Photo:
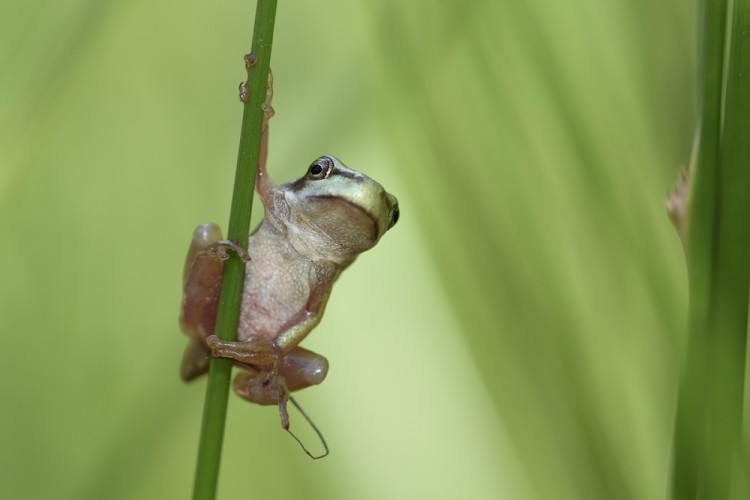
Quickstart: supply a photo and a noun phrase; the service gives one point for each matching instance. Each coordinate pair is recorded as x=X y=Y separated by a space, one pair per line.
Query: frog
x=312 y=230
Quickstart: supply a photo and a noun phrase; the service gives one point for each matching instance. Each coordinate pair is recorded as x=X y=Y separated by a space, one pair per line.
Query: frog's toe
x=220 y=249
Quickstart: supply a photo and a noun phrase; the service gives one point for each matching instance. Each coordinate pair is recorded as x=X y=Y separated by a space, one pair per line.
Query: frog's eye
x=320 y=168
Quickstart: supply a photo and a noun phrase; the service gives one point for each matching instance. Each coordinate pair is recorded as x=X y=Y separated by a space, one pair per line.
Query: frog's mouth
x=382 y=209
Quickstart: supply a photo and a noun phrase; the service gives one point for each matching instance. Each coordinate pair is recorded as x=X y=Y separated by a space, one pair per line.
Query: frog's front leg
x=263 y=182
x=253 y=351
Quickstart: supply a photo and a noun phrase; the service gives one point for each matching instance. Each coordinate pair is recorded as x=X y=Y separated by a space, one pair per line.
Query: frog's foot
x=253 y=351
x=268 y=110
x=264 y=388
x=677 y=203
x=297 y=369
x=219 y=249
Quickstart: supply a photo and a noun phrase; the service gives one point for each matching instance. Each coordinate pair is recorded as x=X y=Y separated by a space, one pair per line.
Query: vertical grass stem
x=708 y=433
x=217 y=389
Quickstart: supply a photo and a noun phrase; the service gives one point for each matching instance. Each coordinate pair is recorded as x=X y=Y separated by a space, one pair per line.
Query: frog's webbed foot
x=677 y=203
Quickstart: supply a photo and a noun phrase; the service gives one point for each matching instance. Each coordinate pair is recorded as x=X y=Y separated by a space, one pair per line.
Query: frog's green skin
x=313 y=229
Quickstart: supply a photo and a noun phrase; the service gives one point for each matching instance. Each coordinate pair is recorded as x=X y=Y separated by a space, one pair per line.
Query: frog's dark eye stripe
x=320 y=168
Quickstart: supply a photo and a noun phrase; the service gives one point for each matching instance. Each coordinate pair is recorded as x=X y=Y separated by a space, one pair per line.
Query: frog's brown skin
x=313 y=229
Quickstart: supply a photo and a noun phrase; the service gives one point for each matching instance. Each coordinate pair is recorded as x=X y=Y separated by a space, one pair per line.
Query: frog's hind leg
x=201 y=287
x=268 y=385
x=302 y=368
x=297 y=369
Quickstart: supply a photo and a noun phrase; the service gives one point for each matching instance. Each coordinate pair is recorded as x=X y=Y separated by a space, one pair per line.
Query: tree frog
x=312 y=230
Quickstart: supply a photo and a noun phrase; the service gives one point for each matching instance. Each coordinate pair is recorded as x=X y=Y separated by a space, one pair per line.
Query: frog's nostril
x=394 y=217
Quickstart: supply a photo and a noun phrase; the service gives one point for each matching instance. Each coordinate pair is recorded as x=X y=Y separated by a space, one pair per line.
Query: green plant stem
x=690 y=419
x=708 y=432
x=217 y=389
x=728 y=334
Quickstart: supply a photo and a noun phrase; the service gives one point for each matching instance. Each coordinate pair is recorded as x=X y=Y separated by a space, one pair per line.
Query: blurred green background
x=518 y=335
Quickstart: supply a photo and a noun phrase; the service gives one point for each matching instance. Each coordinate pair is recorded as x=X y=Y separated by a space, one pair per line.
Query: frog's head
x=338 y=212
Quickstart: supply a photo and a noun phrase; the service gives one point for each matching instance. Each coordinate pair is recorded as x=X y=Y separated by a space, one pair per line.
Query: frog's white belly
x=276 y=291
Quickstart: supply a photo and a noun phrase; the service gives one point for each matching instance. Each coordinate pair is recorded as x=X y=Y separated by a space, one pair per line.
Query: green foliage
x=519 y=334
x=708 y=435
